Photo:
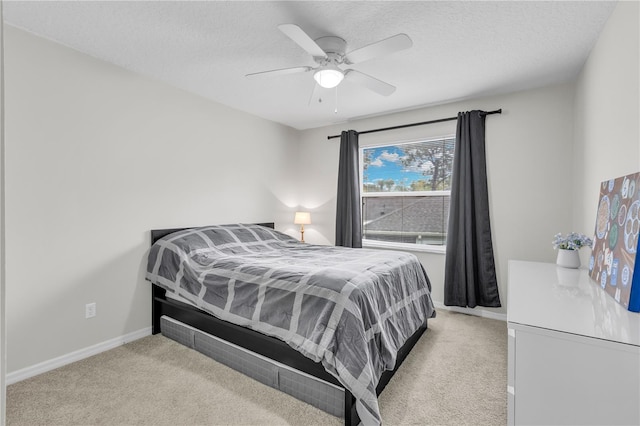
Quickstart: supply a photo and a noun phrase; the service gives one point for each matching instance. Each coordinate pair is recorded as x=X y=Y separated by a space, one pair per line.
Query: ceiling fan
x=330 y=54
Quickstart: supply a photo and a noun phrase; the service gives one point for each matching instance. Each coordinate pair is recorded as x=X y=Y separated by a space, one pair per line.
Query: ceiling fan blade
x=282 y=71
x=302 y=39
x=380 y=48
x=378 y=86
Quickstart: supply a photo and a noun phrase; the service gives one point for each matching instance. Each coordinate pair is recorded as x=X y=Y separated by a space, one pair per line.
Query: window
x=406 y=190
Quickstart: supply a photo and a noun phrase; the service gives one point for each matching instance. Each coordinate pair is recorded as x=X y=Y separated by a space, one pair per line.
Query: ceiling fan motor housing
x=334 y=47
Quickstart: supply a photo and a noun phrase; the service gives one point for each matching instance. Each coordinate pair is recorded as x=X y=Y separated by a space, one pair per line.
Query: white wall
x=607 y=113
x=529 y=161
x=97 y=156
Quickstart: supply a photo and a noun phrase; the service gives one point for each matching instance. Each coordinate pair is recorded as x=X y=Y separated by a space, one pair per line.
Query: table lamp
x=302 y=219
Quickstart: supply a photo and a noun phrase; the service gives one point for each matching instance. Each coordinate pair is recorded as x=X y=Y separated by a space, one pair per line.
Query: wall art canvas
x=613 y=262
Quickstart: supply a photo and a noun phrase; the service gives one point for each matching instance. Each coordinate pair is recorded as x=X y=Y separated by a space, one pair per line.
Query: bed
x=345 y=316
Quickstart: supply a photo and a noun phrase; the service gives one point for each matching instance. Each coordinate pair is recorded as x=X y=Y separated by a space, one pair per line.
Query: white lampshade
x=329 y=76
x=302 y=218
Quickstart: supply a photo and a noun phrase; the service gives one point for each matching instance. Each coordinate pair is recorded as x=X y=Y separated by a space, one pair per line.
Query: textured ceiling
x=460 y=49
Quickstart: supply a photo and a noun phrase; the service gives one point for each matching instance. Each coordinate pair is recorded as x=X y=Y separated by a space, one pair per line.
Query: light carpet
x=455 y=375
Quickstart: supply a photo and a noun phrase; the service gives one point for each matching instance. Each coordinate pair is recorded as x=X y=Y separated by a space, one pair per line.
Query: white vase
x=568 y=258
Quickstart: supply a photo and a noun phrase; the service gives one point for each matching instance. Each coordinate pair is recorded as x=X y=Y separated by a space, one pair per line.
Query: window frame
x=430 y=248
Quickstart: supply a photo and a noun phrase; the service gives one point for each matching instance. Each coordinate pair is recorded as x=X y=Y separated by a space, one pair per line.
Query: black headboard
x=156 y=234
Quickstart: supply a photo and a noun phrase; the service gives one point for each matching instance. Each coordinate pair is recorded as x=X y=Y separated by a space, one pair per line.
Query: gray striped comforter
x=350 y=309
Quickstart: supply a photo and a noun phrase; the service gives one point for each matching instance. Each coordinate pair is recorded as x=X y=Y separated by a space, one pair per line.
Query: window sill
x=404 y=247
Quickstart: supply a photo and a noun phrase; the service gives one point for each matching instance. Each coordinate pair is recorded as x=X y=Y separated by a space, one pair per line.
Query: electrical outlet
x=90 y=310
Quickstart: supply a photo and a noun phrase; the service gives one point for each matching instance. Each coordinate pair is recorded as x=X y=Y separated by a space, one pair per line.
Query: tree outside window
x=406 y=191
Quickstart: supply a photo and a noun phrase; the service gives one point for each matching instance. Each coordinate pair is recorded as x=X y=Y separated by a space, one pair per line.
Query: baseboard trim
x=60 y=361
x=473 y=311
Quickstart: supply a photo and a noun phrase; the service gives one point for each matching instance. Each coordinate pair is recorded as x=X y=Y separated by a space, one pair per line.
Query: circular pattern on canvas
x=622 y=215
x=612 y=183
x=603 y=217
x=632 y=189
x=631 y=228
x=625 y=275
x=625 y=188
x=613 y=236
x=603 y=279
x=615 y=206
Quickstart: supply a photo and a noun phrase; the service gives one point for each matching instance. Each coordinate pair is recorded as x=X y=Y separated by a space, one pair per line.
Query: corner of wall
x=3 y=352
x=606 y=110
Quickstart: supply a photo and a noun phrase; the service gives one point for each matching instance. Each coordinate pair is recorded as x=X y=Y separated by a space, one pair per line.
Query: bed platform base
x=325 y=396
x=258 y=343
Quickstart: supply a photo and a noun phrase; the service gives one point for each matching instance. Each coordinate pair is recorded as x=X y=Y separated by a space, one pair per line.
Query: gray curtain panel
x=348 y=218
x=470 y=273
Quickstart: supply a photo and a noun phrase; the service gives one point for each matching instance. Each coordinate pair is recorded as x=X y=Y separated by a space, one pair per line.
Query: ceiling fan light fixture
x=328 y=76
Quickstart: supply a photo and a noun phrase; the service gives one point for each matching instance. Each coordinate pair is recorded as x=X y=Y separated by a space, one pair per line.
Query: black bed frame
x=259 y=343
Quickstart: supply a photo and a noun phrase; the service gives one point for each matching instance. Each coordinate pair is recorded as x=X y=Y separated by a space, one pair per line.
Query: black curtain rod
x=498 y=111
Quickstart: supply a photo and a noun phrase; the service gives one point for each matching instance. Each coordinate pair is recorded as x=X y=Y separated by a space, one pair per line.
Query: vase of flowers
x=568 y=246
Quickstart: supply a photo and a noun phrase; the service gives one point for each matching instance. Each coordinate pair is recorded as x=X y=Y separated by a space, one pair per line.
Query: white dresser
x=574 y=353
